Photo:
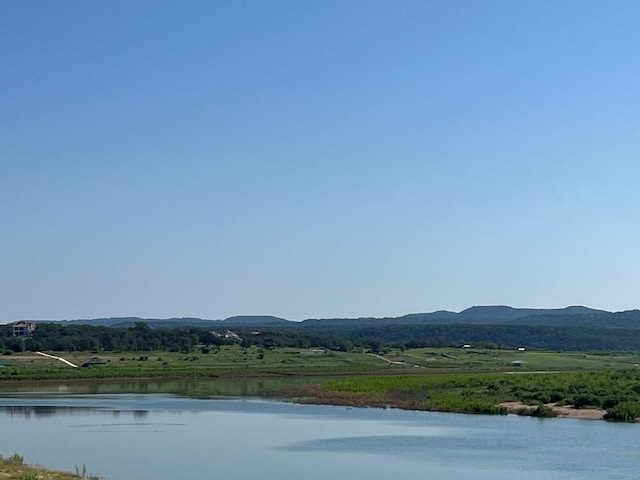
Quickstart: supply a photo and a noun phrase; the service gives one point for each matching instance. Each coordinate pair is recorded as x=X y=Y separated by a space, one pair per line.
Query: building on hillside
x=23 y=329
x=229 y=335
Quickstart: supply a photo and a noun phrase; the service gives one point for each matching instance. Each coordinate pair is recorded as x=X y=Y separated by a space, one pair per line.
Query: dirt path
x=58 y=358
x=391 y=362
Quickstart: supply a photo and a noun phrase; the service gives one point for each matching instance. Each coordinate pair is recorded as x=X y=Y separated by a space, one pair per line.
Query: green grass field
x=500 y=360
x=235 y=361
x=228 y=360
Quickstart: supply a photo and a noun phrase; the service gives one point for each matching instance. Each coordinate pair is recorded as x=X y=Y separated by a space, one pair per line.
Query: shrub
x=555 y=396
x=624 y=412
x=610 y=403
x=28 y=476
x=581 y=401
x=14 y=459
x=542 y=411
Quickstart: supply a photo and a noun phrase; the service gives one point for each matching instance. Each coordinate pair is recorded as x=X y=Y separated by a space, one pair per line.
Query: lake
x=162 y=436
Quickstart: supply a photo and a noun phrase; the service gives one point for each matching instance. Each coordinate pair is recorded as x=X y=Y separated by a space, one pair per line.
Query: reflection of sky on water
x=161 y=436
x=41 y=404
x=397 y=444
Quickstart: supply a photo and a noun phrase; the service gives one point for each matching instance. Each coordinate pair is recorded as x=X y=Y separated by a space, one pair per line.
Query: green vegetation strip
x=608 y=381
x=235 y=360
x=228 y=360
x=618 y=392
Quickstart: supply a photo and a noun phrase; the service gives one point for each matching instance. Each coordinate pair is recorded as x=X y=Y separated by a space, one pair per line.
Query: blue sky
x=317 y=158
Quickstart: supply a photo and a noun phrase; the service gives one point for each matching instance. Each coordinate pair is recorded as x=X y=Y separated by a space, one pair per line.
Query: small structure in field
x=94 y=362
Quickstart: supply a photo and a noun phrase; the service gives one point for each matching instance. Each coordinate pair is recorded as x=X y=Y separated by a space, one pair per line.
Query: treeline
x=57 y=337
x=340 y=337
x=544 y=337
x=275 y=338
x=141 y=337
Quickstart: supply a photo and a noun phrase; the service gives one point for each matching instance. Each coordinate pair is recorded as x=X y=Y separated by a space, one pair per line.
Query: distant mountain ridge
x=248 y=320
x=497 y=314
x=573 y=328
x=124 y=322
x=574 y=316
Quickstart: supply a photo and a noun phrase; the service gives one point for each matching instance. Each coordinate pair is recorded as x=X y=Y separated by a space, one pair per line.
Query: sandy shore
x=560 y=411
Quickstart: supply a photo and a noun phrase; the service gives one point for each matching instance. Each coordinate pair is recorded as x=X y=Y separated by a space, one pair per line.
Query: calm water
x=163 y=436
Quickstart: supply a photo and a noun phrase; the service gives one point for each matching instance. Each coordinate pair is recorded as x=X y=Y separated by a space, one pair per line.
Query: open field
x=227 y=360
x=499 y=360
x=235 y=361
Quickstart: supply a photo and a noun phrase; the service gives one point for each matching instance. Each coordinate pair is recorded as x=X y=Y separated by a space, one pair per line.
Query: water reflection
x=195 y=388
x=248 y=438
x=442 y=442
x=369 y=444
x=42 y=411
x=52 y=410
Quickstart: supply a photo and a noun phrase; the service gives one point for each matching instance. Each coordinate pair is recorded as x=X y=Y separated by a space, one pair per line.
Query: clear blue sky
x=317 y=158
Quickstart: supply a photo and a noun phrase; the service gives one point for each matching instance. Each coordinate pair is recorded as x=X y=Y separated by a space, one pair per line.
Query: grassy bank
x=617 y=392
x=14 y=468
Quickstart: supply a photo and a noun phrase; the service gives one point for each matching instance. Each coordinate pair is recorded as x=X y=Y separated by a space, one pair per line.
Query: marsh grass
x=81 y=472
x=616 y=391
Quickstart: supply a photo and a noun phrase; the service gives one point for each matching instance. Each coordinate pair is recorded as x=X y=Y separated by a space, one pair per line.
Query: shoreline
x=559 y=411
x=313 y=393
x=13 y=467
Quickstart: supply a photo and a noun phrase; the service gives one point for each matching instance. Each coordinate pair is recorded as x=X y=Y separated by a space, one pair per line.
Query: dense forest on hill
x=141 y=337
x=334 y=335
x=511 y=336
x=59 y=337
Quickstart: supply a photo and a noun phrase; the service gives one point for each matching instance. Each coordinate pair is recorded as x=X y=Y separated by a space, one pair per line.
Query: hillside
x=477 y=315
x=250 y=320
x=571 y=328
x=123 y=322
